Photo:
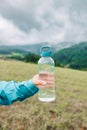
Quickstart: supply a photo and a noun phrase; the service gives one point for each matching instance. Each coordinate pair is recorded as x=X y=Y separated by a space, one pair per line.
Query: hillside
x=18 y=52
x=73 y=57
x=67 y=112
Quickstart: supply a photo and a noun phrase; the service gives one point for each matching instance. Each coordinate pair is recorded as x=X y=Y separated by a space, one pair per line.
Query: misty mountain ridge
x=32 y=48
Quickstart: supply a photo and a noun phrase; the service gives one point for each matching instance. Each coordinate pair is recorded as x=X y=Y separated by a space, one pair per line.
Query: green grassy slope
x=67 y=112
x=75 y=56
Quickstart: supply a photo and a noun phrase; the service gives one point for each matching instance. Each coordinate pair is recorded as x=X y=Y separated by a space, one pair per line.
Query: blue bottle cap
x=46 y=51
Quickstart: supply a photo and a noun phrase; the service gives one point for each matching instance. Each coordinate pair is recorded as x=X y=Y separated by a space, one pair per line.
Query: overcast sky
x=34 y=21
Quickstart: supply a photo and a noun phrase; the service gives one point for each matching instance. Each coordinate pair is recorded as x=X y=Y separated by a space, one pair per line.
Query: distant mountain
x=32 y=48
x=24 y=49
x=73 y=57
x=59 y=46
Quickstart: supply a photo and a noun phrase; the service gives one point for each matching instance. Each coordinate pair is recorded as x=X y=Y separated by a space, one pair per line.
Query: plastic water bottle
x=46 y=68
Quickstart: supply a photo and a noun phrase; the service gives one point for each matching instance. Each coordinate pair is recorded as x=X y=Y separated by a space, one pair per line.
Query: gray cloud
x=38 y=21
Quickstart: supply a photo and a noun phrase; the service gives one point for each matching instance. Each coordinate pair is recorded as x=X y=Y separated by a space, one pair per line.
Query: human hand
x=43 y=80
x=38 y=82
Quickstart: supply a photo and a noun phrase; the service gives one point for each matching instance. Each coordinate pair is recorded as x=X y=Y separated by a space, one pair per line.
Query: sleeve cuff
x=32 y=87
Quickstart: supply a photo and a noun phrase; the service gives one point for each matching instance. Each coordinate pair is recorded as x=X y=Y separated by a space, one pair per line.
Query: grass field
x=67 y=112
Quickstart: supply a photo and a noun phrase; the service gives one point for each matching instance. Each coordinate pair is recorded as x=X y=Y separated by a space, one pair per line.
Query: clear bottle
x=46 y=68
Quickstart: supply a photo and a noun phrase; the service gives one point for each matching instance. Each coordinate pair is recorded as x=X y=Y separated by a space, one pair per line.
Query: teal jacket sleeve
x=12 y=91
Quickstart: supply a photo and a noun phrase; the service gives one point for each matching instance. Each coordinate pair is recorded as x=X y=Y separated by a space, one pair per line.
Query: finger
x=40 y=82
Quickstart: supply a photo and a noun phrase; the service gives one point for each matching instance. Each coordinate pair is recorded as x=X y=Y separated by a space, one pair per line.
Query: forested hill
x=73 y=57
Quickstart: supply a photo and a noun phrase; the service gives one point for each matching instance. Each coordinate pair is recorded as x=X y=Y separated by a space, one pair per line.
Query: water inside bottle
x=47 y=94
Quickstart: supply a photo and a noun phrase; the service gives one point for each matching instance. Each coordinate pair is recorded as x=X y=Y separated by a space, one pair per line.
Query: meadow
x=67 y=112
